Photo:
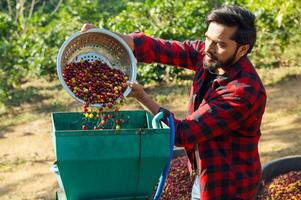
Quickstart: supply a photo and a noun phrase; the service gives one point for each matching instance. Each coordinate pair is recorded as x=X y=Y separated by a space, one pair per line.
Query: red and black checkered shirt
x=224 y=124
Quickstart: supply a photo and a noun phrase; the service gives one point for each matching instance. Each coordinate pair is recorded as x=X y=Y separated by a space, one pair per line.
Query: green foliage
x=278 y=23
x=9 y=75
x=30 y=37
x=30 y=53
x=176 y=20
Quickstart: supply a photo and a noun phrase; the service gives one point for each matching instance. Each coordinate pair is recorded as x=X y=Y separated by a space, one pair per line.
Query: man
x=221 y=131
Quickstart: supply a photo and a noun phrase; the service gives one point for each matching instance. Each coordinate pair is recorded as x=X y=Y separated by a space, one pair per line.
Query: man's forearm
x=145 y=99
x=149 y=103
x=129 y=40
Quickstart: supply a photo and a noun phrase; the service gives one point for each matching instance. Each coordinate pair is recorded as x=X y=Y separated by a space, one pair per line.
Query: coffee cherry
x=110 y=105
x=103 y=122
x=84 y=108
x=84 y=127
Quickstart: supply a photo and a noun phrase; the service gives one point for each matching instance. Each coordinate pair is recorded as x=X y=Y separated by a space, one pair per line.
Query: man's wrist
x=142 y=97
x=148 y=102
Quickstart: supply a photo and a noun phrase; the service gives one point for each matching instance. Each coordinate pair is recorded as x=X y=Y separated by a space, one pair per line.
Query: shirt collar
x=231 y=71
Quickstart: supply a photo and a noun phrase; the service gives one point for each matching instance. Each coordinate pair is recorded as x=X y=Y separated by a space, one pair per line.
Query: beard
x=215 y=63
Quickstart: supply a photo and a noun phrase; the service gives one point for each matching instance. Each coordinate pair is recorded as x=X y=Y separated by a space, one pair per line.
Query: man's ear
x=242 y=50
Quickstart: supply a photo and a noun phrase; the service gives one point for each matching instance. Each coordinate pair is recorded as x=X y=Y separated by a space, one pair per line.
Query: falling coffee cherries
x=96 y=119
x=95 y=82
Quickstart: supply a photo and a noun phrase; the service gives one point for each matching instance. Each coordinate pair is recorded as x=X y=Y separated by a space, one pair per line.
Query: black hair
x=237 y=16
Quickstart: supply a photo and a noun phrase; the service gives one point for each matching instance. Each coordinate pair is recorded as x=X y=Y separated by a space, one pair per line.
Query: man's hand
x=87 y=26
x=137 y=91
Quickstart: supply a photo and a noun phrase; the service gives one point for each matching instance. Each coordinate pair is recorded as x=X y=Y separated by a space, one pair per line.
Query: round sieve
x=97 y=44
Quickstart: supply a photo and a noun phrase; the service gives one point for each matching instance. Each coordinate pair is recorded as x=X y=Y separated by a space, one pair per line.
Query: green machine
x=109 y=164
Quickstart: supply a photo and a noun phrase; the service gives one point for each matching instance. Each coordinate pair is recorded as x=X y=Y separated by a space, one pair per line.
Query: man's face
x=220 y=49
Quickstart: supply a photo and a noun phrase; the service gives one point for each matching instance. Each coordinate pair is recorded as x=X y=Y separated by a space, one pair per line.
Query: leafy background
x=32 y=31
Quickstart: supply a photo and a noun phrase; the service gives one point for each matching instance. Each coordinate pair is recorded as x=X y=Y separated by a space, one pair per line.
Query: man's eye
x=222 y=45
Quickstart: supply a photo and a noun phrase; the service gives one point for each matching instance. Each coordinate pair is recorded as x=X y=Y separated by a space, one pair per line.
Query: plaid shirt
x=225 y=124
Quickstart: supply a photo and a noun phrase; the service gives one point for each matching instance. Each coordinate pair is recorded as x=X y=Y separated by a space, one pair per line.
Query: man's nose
x=210 y=47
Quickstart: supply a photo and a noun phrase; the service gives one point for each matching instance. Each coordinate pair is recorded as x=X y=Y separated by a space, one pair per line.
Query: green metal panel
x=107 y=164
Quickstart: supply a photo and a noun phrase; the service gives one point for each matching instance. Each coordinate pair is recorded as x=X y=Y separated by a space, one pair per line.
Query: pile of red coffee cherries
x=283 y=187
x=97 y=83
x=179 y=183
